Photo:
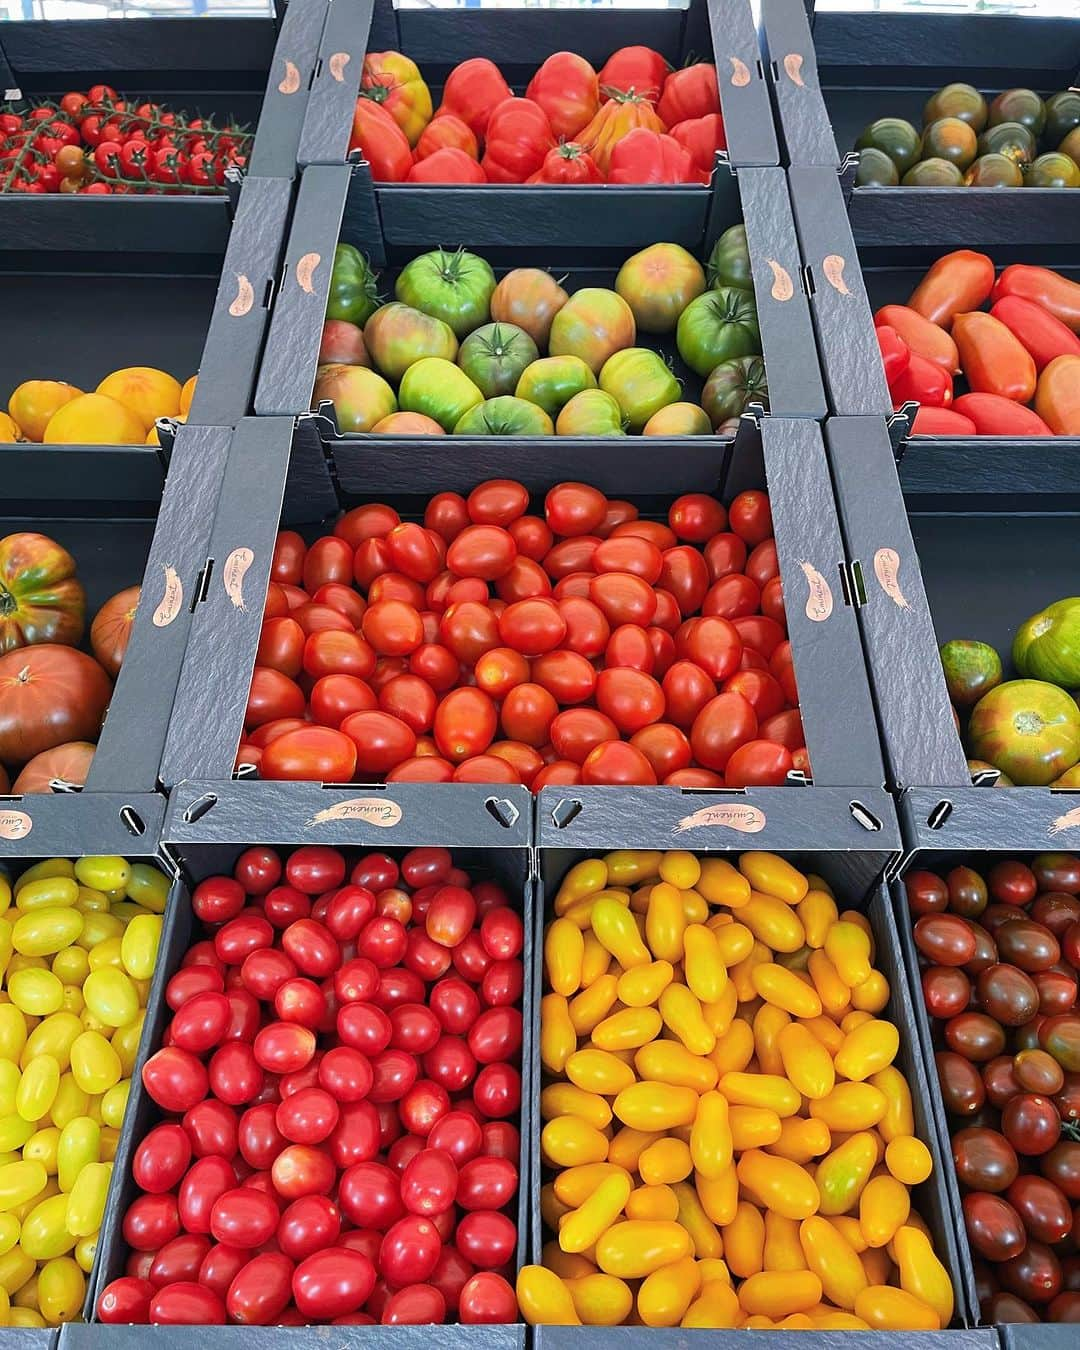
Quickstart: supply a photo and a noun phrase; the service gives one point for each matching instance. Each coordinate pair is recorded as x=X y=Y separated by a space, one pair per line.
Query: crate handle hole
x=939 y=815
x=564 y=811
x=199 y=807
x=502 y=810
x=864 y=816
x=132 y=821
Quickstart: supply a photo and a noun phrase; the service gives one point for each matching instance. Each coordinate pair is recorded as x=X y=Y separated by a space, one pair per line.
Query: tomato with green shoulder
x=733 y=386
x=971 y=670
x=658 y=283
x=454 y=286
x=679 y=419
x=717 y=326
x=729 y=261
x=1028 y=729
x=495 y=356
x=354 y=291
x=438 y=389
x=505 y=416
x=41 y=599
x=553 y=381
x=640 y=382
x=360 y=397
x=397 y=336
x=1047 y=646
x=591 y=413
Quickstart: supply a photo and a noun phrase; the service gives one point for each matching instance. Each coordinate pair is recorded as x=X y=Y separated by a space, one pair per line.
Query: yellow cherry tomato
x=680 y=868
x=716 y=1307
x=783 y=1248
x=558 y=1039
x=744 y=1241
x=834 y=994
x=842 y=1175
x=14 y=1132
x=655 y=1106
x=642 y=986
x=628 y=1029
x=721 y=884
x=826 y=1031
x=574 y=1185
x=908 y=1159
x=753 y=1127
x=582 y=1227
x=652 y=1202
x=37 y=1088
x=702 y=965
x=12 y=1031
x=847 y=946
x=801 y=1140
x=79 y=1146
x=618 y=932
x=20 y=1182
x=94 y=1063
x=850 y=1106
x=111 y=996
x=761 y=1089
x=719 y=1015
x=61 y=1290
x=806 y=1062
x=601 y=1300
x=589 y=1008
x=921 y=1273
x=899 y=1117
x=47 y=892
x=817 y=912
x=711 y=1145
x=773 y=922
x=44 y=932
x=44 y=1231
x=36 y=992
x=543 y=1298
x=665 y=922
x=719 y=1196
x=786 y=990
x=682 y=1014
x=595 y=959
x=16 y=1267
x=564 y=952
x=769 y=1021
x=626 y=867
x=778 y=1184
x=666 y=1294
x=665 y=1162
x=628 y=1145
x=671 y=1062
x=9 y=1232
x=705 y=1239
x=148 y=887
x=568 y=1141
x=777 y=1293
x=86 y=1200
x=104 y=873
x=883 y=1308
x=636 y=1247
x=734 y=1048
x=139 y=945
x=883 y=1206
x=832 y=1258
x=867 y=1050
x=564 y=1099
x=774 y=876
x=599 y=1071
x=872 y=995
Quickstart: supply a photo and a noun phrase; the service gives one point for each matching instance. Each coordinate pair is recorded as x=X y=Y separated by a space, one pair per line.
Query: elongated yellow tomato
x=665 y=922
x=601 y=1300
x=574 y=1185
x=744 y=1241
x=564 y=1099
x=786 y=990
x=585 y=877
x=867 y=1050
x=628 y=1029
x=568 y=1141
x=850 y=1106
x=921 y=1273
x=544 y=1299
x=589 y=1008
x=702 y=964
x=567 y=1265
x=628 y=866
x=753 y=1127
x=598 y=1071
x=769 y=1021
x=44 y=1230
x=14 y=1132
x=838 y=1321
x=595 y=960
x=883 y=1206
x=635 y=1248
x=826 y=1031
x=94 y=1063
x=551 y=1207
x=779 y=1293
x=774 y=876
x=899 y=1118
x=61 y=1290
x=43 y=932
x=682 y=1014
x=883 y=1308
x=139 y=945
x=580 y=1229
x=778 y=1184
x=19 y=1182
x=817 y=912
x=711 y=1145
x=722 y=884
x=734 y=943
x=16 y=1267
x=106 y=872
x=47 y=892
x=618 y=932
x=806 y=1062
x=719 y=1196
x=742 y=972
x=671 y=1062
x=37 y=1088
x=783 y=1249
x=36 y=992
x=642 y=986
x=761 y=1089
x=558 y=1039
x=86 y=1201
x=665 y=1295
x=705 y=1240
x=665 y=1162
x=655 y=1106
x=716 y=1307
x=111 y=996
x=908 y=1159
x=833 y=1260
x=773 y=922
x=680 y=868
x=9 y=1233
x=872 y=995
x=564 y=951
x=734 y=1048
x=580 y=913
x=652 y=1202
x=719 y=1015
x=848 y=947
x=800 y=1140
x=834 y=994
x=628 y=1146
x=842 y=1175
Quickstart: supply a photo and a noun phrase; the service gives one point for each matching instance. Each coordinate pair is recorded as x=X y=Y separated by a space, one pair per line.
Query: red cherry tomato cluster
x=339 y=1081
x=488 y=644
x=98 y=142
x=1000 y=962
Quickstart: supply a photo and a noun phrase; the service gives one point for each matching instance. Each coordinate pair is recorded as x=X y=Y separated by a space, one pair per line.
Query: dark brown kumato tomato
x=926 y=892
x=999 y=1079
x=968 y=894
x=945 y=939
x=975 y=1036
x=946 y=990
x=1028 y=944
x=1031 y=1123
x=1060 y=1037
x=1042 y=1206
x=1007 y=994
x=1033 y=1274
x=1057 y=872
x=995 y=1229
x=985 y=1160
x=1062 y=1166
x=961 y=1084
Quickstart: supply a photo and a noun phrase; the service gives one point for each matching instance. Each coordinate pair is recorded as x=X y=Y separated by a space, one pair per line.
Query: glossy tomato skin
x=332 y=1283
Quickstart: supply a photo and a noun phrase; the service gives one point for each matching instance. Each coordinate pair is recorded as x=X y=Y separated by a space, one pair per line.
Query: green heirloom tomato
x=593 y=324
x=354 y=295
x=640 y=383
x=733 y=386
x=1047 y=646
x=875 y=169
x=360 y=397
x=494 y=356
x=679 y=419
x=1028 y=729
x=397 y=335
x=553 y=381
x=717 y=326
x=454 y=287
x=438 y=389
x=590 y=413
x=729 y=261
x=505 y=416
x=896 y=138
x=971 y=668
x=658 y=283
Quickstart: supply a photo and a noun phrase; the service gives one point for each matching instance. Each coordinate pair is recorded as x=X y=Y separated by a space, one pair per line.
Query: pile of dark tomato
x=338 y=1086
x=1001 y=955
x=487 y=644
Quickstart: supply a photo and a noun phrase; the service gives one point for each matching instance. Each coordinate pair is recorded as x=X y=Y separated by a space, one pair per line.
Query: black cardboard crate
x=208 y=826
x=822 y=836
x=519 y=41
x=94 y=823
x=858 y=67
x=947 y=544
x=182 y=300
x=786 y=457
x=971 y=826
x=332 y=205
x=127 y=521
x=848 y=287
x=255 y=70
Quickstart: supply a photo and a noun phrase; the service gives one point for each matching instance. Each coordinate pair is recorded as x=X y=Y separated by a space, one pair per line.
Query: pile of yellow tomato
x=78 y=943
x=730 y=1142
x=122 y=410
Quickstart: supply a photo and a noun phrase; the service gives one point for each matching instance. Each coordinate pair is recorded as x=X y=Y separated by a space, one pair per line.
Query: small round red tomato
x=332 y=1283
x=500 y=670
x=762 y=691
x=664 y=746
x=153 y=1220
x=287 y=564
x=244 y=1217
x=685 y=576
x=260 y=1140
x=696 y=517
x=335 y=697
x=422 y=1105
x=628 y=554
x=261 y=1290
x=446 y=514
x=622 y=598
x=211 y=1127
x=313 y=947
x=308 y=1225
x=283 y=906
x=498 y=501
x=382 y=941
x=345 y=1073
x=732 y=597
x=414 y=1305
x=630 y=698
x=307 y=1116
x=125 y=1300
x=465 y=723
x=393 y=1073
x=429 y=1183
x=187 y=1304
x=487 y=1298
x=201 y=1022
x=617 y=762
x=587 y=630
x=758 y=764
x=486 y=1238
x=1031 y=1123
x=687 y=689
x=750 y=517
x=459 y=1134
x=450 y=916
x=392 y=627
x=175 y=1079
x=573 y=509
x=502 y=933
x=725 y=553
x=497 y=1090
x=496 y=1035
x=532 y=626
x=484 y=551
x=526 y=580
x=331 y=652
x=319 y=753
x=300 y=1170
x=578 y=731
x=161 y=1158
x=410 y=1250
x=502 y=983
x=205 y=1181
x=414 y=1028
x=258 y=870
x=713 y=644
x=217 y=899
x=487 y=1183
x=726 y=722
x=284 y=1047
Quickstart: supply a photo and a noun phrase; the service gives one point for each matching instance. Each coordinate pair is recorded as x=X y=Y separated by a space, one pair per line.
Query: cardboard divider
x=785 y=457
x=208 y=826
x=518 y=42
x=334 y=206
x=126 y=520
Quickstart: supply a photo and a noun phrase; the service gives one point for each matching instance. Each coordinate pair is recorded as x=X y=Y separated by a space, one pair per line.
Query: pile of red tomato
x=1001 y=956
x=98 y=142
x=339 y=1080
x=636 y=121
x=487 y=644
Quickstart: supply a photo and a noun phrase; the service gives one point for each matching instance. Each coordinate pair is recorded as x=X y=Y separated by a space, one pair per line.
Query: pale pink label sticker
x=378 y=811
x=244 y=299
x=819 y=601
x=305 y=272
x=887 y=571
x=782 y=287
x=793 y=65
x=291 y=80
x=337 y=64
x=15 y=824
x=739 y=816
x=171 y=600
x=833 y=267
x=1069 y=821
x=740 y=72
x=233 y=573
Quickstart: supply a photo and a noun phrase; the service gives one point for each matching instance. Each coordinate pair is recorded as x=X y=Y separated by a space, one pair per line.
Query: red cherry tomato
x=206 y=1180
x=187 y=1304
x=414 y=1305
x=153 y=1220
x=750 y=517
x=410 y=1250
x=332 y=1283
x=487 y=1183
x=126 y=1300
x=487 y=1298
x=487 y=1239
x=175 y=1079
x=429 y=1183
x=217 y=899
x=726 y=722
x=161 y=1158
x=243 y=1217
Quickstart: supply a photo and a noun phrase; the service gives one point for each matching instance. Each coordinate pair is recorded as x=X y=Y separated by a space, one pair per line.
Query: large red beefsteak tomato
x=49 y=695
x=40 y=598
